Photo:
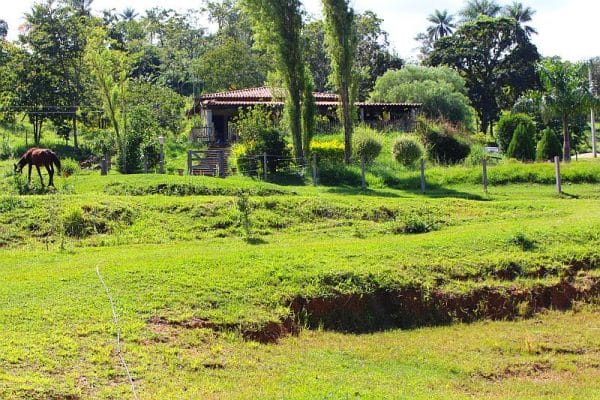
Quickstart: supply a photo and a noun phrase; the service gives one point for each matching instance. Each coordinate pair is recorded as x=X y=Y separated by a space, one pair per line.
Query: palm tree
x=476 y=8
x=129 y=14
x=566 y=94
x=522 y=15
x=442 y=25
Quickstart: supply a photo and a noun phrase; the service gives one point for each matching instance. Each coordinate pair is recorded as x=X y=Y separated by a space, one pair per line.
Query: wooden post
x=265 y=162
x=189 y=163
x=362 y=172
x=558 y=178
x=422 y=176
x=108 y=161
x=485 y=176
x=103 y=167
x=145 y=163
x=162 y=158
x=314 y=168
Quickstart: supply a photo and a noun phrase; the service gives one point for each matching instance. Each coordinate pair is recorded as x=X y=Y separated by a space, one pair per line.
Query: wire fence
x=118 y=334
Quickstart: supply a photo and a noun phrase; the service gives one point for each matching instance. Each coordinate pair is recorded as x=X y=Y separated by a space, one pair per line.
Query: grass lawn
x=328 y=274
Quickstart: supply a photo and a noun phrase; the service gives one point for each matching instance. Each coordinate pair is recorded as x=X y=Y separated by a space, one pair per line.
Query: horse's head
x=18 y=168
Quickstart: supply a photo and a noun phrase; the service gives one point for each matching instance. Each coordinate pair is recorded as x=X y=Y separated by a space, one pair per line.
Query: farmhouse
x=218 y=109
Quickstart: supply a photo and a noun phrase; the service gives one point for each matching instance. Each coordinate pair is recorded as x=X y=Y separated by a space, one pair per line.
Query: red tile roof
x=265 y=96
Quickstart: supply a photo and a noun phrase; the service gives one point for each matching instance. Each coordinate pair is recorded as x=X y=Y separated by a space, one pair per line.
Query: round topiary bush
x=366 y=146
x=548 y=147
x=407 y=151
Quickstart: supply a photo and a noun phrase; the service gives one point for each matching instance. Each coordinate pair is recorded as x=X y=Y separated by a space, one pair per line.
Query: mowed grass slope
x=190 y=288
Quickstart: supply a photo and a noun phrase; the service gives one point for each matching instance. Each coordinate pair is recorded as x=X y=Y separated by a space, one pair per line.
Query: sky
x=566 y=27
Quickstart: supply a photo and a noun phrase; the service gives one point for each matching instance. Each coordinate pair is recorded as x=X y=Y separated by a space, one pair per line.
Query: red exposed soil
x=409 y=307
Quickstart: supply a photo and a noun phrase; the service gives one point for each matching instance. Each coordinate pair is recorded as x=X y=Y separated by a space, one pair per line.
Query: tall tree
x=494 y=56
x=476 y=8
x=55 y=39
x=129 y=14
x=277 y=27
x=522 y=14
x=340 y=39
x=442 y=24
x=373 y=56
x=566 y=94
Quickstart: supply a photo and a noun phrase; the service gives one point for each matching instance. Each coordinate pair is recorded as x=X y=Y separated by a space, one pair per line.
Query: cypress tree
x=522 y=145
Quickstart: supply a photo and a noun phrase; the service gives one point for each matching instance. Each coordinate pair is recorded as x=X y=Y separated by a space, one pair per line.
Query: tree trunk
x=75 y=141
x=347 y=117
x=567 y=138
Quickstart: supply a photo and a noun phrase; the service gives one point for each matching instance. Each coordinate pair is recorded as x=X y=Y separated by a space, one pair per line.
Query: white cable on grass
x=116 y=322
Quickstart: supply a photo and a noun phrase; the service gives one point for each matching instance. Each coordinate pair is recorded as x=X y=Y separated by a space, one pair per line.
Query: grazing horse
x=39 y=157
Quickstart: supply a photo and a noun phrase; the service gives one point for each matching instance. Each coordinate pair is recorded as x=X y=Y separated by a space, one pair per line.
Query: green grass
x=173 y=250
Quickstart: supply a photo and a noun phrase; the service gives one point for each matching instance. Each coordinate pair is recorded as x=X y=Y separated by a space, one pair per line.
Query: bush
x=507 y=125
x=69 y=167
x=366 y=145
x=549 y=147
x=442 y=146
x=331 y=152
x=6 y=150
x=522 y=146
x=477 y=155
x=241 y=161
x=75 y=224
x=407 y=151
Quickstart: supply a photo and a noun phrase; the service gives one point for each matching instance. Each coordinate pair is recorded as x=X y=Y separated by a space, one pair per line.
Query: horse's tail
x=56 y=161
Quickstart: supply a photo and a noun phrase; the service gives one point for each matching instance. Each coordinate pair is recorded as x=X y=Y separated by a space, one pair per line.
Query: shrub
x=75 y=224
x=241 y=161
x=507 y=125
x=522 y=146
x=548 y=147
x=69 y=167
x=407 y=150
x=366 y=145
x=477 y=155
x=331 y=152
x=6 y=150
x=441 y=145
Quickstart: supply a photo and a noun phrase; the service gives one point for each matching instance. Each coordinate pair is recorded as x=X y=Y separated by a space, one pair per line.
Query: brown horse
x=39 y=157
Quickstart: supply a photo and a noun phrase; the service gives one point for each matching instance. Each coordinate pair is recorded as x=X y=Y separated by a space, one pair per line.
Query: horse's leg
x=40 y=174
x=29 y=176
x=50 y=174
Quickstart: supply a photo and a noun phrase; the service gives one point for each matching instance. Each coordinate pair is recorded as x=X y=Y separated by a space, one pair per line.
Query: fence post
x=314 y=168
x=558 y=178
x=145 y=163
x=107 y=156
x=265 y=166
x=485 y=176
x=189 y=162
x=362 y=172
x=103 y=169
x=422 y=176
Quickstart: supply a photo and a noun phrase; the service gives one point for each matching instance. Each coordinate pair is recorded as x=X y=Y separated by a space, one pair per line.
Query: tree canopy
x=496 y=59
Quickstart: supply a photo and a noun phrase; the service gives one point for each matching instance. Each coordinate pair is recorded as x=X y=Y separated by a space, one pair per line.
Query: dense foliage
x=548 y=147
x=495 y=57
x=442 y=145
x=407 y=151
x=507 y=125
x=441 y=90
x=522 y=145
x=366 y=145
